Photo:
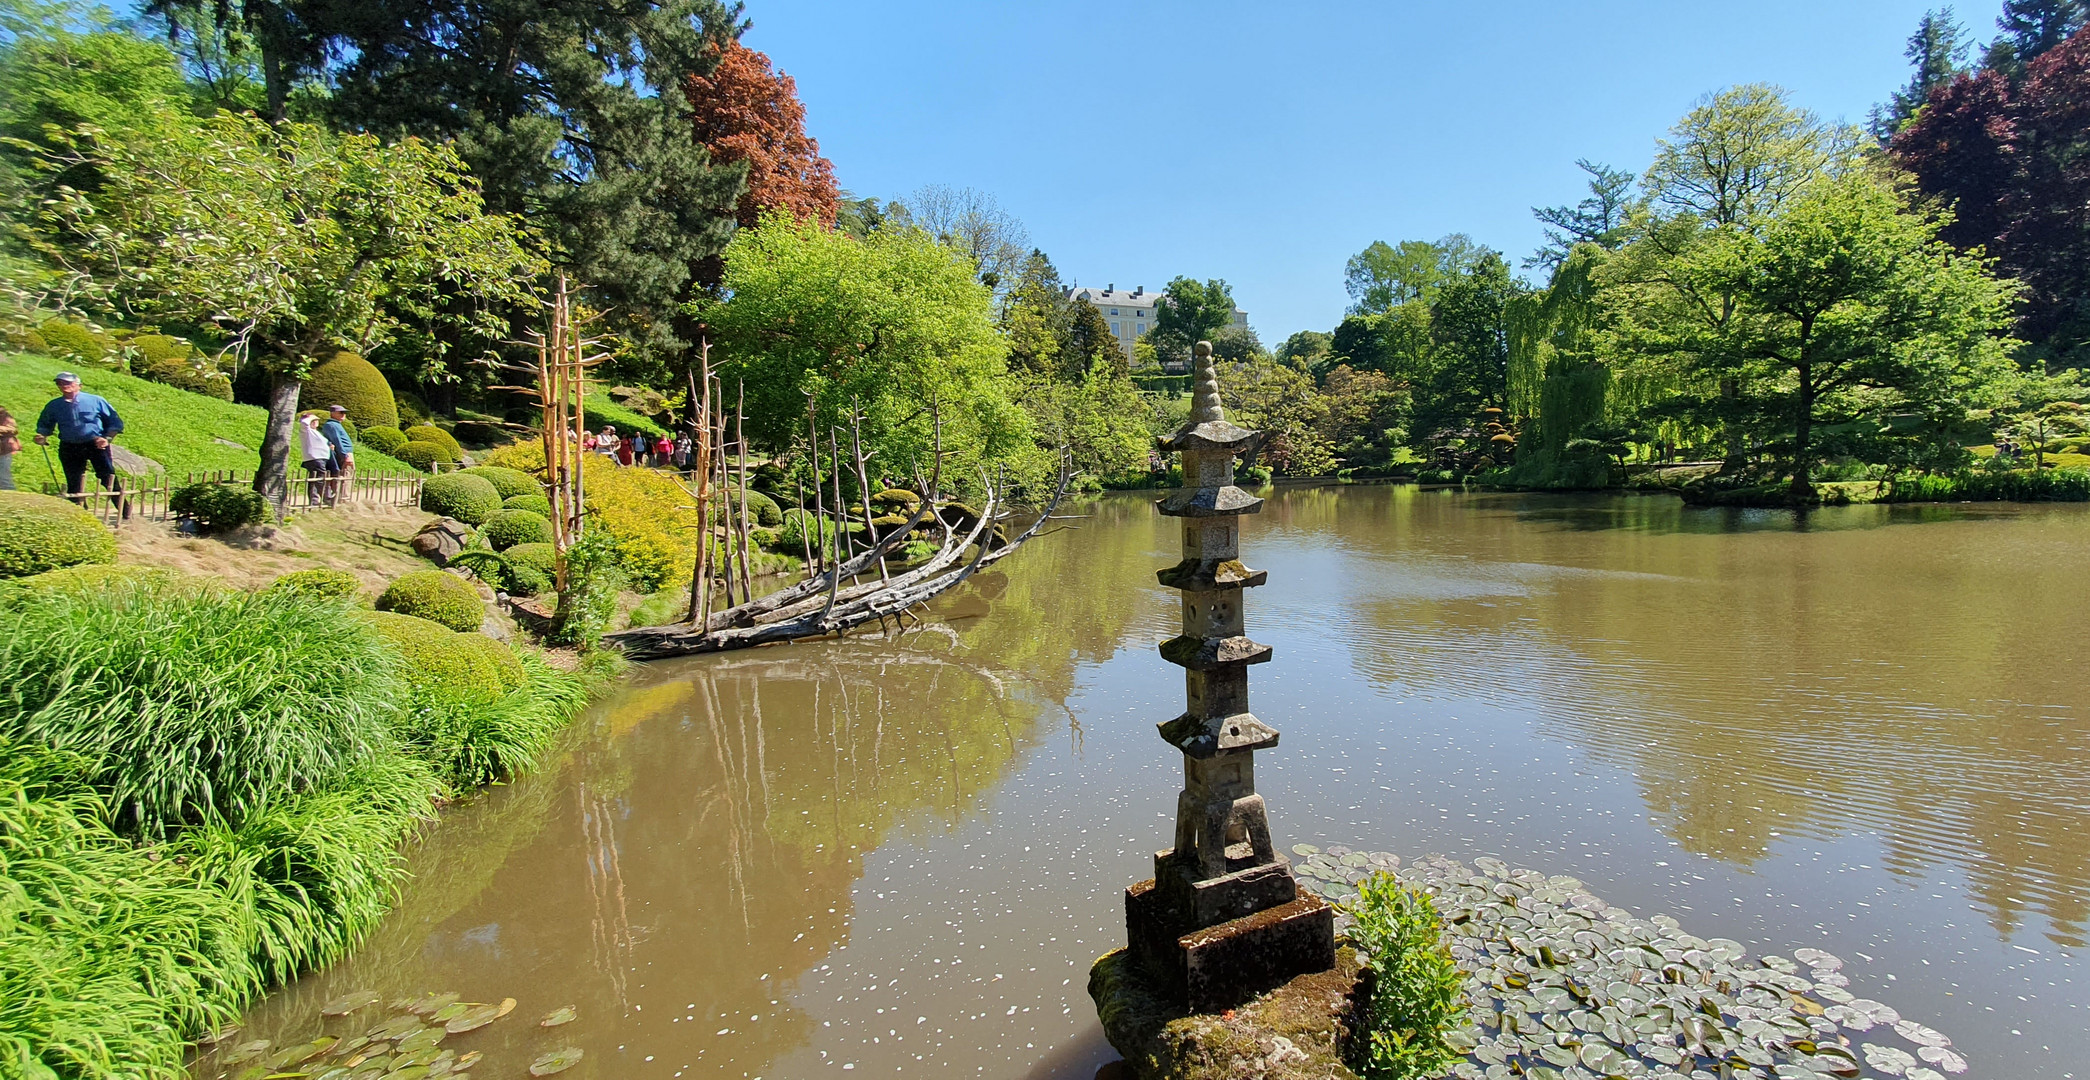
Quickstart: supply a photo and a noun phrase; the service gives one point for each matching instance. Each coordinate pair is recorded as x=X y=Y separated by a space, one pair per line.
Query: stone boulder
x=440 y=540
x=1298 y=1031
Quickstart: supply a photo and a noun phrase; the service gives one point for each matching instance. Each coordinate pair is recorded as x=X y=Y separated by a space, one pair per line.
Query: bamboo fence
x=149 y=493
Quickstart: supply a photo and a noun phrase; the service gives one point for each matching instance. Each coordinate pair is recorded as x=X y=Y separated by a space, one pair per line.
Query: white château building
x=1130 y=314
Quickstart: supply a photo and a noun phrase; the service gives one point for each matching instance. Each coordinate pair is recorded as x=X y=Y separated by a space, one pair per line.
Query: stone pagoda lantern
x=1223 y=919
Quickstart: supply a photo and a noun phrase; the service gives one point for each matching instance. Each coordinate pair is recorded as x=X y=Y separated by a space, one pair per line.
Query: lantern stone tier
x=1223 y=919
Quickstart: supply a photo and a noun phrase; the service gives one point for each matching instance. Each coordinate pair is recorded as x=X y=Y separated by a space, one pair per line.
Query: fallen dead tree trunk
x=822 y=605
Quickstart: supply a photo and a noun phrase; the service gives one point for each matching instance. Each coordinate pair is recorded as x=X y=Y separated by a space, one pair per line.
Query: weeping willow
x=1558 y=386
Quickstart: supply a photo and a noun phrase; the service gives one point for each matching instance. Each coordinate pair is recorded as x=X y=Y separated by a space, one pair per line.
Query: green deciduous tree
x=1739 y=154
x=1383 y=275
x=1189 y=311
x=1848 y=307
x=288 y=241
x=895 y=325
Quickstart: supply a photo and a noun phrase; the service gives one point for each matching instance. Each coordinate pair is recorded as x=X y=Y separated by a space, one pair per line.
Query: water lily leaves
x=1305 y=850
x=397 y=1027
x=1562 y=1056
x=507 y=1006
x=213 y=1038
x=353 y=1001
x=1816 y=958
x=1943 y=1059
x=411 y=1072
x=1892 y=1060
x=424 y=1039
x=555 y=1061
x=474 y=1018
x=1920 y=1035
x=247 y=1051
x=450 y=1012
x=564 y=1014
x=1918 y=1072
x=430 y=1002
x=302 y=1052
x=467 y=1060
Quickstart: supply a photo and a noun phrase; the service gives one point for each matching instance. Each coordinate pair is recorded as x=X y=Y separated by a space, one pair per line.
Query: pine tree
x=1938 y=50
x=2031 y=27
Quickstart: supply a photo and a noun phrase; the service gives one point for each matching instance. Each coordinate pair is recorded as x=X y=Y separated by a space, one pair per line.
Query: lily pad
x=1816 y=958
x=1305 y=849
x=469 y=1059
x=247 y=1051
x=473 y=1019
x=432 y=1001
x=1891 y=1060
x=451 y=1012
x=564 y=1014
x=1920 y=1035
x=1943 y=1059
x=556 y=1061
x=353 y=1001
x=424 y=1039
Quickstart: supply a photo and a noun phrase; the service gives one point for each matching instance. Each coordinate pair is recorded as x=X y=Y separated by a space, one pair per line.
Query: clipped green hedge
x=40 y=532
x=538 y=557
x=764 y=509
x=435 y=657
x=498 y=656
x=384 y=440
x=436 y=596
x=319 y=583
x=217 y=508
x=896 y=500
x=509 y=482
x=164 y=358
x=429 y=433
x=71 y=341
x=507 y=528
x=355 y=384
x=467 y=498
x=423 y=455
x=536 y=504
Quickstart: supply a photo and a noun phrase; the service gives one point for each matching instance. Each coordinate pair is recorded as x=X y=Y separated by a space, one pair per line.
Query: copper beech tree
x=746 y=111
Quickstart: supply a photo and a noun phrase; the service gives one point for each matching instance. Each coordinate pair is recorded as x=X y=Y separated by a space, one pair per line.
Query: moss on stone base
x=1295 y=1032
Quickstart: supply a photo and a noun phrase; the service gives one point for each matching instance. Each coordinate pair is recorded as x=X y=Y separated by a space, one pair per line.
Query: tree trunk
x=1737 y=446
x=1802 y=439
x=273 y=473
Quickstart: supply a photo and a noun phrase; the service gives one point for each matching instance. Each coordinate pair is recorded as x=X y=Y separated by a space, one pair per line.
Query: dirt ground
x=369 y=542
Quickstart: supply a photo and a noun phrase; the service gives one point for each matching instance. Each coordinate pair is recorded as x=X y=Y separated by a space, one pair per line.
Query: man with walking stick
x=84 y=424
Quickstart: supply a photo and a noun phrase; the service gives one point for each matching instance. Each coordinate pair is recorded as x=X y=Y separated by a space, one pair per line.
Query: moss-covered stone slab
x=1295 y=1032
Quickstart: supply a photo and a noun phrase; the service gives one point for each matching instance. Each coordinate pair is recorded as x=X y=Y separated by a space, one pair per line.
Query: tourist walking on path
x=606 y=443
x=663 y=451
x=84 y=424
x=318 y=452
x=624 y=450
x=10 y=442
x=344 y=448
x=683 y=446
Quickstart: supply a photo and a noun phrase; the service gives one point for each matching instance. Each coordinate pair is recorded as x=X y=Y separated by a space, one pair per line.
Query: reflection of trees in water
x=1917 y=683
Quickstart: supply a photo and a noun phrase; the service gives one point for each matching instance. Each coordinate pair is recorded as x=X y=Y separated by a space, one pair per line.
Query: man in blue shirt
x=84 y=424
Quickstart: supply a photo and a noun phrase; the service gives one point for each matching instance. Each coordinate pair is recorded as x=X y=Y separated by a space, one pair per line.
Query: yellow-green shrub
x=384 y=440
x=424 y=456
x=437 y=657
x=355 y=384
x=536 y=504
x=507 y=528
x=509 y=482
x=538 y=557
x=320 y=583
x=498 y=656
x=71 y=341
x=647 y=511
x=435 y=596
x=429 y=433
x=39 y=533
x=467 y=498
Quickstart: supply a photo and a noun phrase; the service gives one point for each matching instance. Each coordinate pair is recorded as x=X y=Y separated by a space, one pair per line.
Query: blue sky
x=1265 y=144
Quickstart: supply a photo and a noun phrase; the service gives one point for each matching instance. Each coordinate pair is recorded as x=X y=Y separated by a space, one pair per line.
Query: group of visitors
x=638 y=448
x=85 y=424
x=329 y=453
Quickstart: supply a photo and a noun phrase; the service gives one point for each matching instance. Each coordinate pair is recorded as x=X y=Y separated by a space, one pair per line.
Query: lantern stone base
x=1298 y=1031
x=1211 y=965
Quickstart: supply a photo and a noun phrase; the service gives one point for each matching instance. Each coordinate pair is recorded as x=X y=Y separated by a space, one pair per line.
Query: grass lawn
x=180 y=430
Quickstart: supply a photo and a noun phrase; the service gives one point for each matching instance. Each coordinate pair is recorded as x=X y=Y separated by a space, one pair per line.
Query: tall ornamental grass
x=108 y=957
x=193 y=705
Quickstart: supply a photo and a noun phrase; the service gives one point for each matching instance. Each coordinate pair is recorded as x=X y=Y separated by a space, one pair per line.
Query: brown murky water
x=1867 y=730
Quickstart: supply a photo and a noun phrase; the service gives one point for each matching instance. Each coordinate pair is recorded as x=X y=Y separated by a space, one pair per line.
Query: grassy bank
x=203 y=791
x=180 y=430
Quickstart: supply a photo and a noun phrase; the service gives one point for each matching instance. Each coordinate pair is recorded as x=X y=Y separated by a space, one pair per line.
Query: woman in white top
x=319 y=461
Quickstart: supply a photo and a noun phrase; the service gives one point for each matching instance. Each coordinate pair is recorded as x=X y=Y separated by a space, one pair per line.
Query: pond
x=1865 y=730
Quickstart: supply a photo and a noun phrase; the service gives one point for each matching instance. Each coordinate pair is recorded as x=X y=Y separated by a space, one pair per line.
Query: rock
x=1295 y=1032
x=128 y=462
x=440 y=539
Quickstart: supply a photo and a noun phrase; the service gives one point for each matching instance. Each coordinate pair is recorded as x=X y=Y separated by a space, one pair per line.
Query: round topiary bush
x=432 y=656
x=538 y=557
x=896 y=501
x=435 y=596
x=100 y=577
x=319 y=583
x=424 y=456
x=354 y=383
x=217 y=508
x=429 y=433
x=384 y=440
x=762 y=508
x=501 y=658
x=71 y=341
x=467 y=498
x=536 y=504
x=507 y=528
x=509 y=482
x=39 y=533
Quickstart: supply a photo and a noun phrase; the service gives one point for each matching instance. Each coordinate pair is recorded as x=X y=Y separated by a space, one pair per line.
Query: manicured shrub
x=467 y=498
x=40 y=532
x=1416 y=998
x=762 y=509
x=217 y=508
x=354 y=383
x=646 y=511
x=89 y=577
x=507 y=528
x=319 y=583
x=433 y=658
x=191 y=705
x=771 y=539
x=429 y=433
x=498 y=656
x=538 y=556
x=384 y=440
x=536 y=504
x=436 y=596
x=71 y=341
x=509 y=482
x=164 y=358
x=423 y=456
x=800 y=525
x=480 y=433
x=896 y=501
